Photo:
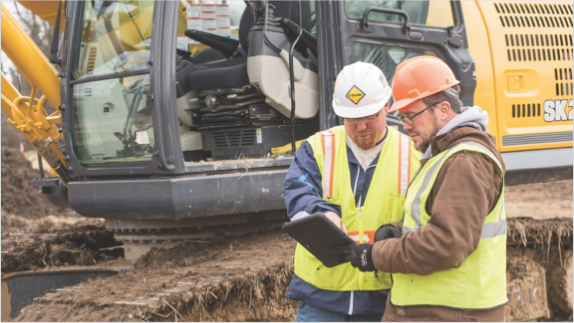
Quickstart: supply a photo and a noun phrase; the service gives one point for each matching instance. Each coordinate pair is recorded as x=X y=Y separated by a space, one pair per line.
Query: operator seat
x=229 y=73
x=232 y=73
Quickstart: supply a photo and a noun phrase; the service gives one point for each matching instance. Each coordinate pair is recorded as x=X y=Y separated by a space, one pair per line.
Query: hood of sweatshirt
x=473 y=117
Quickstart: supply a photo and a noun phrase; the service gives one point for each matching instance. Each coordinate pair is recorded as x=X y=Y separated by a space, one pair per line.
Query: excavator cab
x=230 y=86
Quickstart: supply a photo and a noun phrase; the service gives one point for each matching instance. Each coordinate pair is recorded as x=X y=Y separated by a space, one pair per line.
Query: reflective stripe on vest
x=405 y=168
x=480 y=281
x=382 y=204
x=329 y=148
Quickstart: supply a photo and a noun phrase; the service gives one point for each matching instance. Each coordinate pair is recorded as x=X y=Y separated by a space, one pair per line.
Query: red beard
x=365 y=143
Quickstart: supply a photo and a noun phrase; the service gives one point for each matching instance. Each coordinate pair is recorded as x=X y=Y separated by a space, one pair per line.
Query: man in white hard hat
x=357 y=175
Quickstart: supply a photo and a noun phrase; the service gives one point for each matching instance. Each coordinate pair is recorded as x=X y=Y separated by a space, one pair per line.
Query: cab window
x=116 y=37
x=111 y=112
x=428 y=13
x=386 y=57
x=215 y=17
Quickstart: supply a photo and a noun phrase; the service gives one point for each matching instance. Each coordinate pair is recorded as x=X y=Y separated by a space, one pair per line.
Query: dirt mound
x=524 y=276
x=18 y=195
x=81 y=246
x=524 y=268
x=532 y=232
x=240 y=279
x=12 y=137
x=558 y=264
x=560 y=281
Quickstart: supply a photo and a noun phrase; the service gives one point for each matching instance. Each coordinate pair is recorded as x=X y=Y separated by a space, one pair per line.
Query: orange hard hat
x=419 y=77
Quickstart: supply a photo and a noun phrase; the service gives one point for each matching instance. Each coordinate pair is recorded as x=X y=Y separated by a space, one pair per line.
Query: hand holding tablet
x=320 y=237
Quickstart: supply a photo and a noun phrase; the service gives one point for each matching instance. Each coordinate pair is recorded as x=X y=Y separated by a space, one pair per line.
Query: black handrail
x=292 y=79
x=365 y=19
x=56 y=38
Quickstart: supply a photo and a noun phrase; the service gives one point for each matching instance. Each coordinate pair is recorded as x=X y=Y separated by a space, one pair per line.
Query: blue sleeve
x=302 y=189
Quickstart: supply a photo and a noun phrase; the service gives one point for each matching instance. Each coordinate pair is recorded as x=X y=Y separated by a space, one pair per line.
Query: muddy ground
x=540 y=200
x=230 y=279
x=234 y=279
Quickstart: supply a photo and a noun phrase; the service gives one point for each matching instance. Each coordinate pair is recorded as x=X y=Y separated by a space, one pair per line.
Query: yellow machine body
x=523 y=64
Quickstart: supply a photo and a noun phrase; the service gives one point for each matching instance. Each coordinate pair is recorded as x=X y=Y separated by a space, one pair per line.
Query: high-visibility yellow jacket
x=480 y=281
x=384 y=203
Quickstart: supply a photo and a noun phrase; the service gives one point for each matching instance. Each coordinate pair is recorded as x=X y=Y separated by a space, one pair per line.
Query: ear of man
x=445 y=112
x=387 y=107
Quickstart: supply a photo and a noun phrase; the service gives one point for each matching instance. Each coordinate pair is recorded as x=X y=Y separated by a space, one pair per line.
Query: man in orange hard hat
x=450 y=262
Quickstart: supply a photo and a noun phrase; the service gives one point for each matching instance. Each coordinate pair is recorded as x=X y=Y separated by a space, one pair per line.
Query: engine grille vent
x=234 y=138
x=525 y=110
x=534 y=15
x=530 y=47
x=92 y=56
x=563 y=77
x=546 y=138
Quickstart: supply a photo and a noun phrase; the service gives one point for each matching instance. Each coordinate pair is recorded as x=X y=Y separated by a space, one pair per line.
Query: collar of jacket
x=445 y=141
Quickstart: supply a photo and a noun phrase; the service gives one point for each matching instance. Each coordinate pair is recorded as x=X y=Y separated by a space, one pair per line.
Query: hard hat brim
x=401 y=104
x=345 y=112
x=348 y=112
x=398 y=105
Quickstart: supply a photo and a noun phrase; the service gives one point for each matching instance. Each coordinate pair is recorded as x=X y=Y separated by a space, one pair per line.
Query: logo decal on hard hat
x=355 y=94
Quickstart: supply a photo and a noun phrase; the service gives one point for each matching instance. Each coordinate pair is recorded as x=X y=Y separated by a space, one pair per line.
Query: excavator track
x=139 y=236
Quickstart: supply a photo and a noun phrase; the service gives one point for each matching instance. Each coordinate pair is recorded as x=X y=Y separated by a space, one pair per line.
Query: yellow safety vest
x=398 y=161
x=480 y=281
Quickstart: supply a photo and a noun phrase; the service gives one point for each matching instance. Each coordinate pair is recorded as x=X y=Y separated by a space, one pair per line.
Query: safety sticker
x=355 y=94
x=142 y=138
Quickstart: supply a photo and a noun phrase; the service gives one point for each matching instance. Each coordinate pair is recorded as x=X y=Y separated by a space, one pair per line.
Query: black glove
x=387 y=231
x=360 y=256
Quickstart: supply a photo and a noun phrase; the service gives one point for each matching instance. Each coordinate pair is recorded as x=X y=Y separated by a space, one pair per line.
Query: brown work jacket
x=466 y=190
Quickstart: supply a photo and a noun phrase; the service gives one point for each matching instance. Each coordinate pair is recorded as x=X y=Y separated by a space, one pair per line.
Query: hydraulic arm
x=27 y=113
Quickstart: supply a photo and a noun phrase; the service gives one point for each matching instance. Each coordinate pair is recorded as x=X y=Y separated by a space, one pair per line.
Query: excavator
x=177 y=120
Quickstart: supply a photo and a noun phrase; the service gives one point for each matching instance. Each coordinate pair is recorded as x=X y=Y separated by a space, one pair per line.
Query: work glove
x=359 y=255
x=387 y=231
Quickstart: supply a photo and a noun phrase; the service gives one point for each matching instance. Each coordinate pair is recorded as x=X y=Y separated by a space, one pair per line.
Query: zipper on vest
x=361 y=240
x=351 y=303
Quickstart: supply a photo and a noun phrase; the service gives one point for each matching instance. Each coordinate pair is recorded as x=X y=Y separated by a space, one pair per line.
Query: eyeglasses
x=410 y=120
x=366 y=119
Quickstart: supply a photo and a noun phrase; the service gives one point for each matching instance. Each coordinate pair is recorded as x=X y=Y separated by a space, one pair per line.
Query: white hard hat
x=361 y=90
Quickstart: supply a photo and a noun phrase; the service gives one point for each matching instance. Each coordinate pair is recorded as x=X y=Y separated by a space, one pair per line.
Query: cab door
x=386 y=33
x=118 y=106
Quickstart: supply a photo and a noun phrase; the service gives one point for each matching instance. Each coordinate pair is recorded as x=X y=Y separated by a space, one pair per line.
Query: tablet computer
x=319 y=236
